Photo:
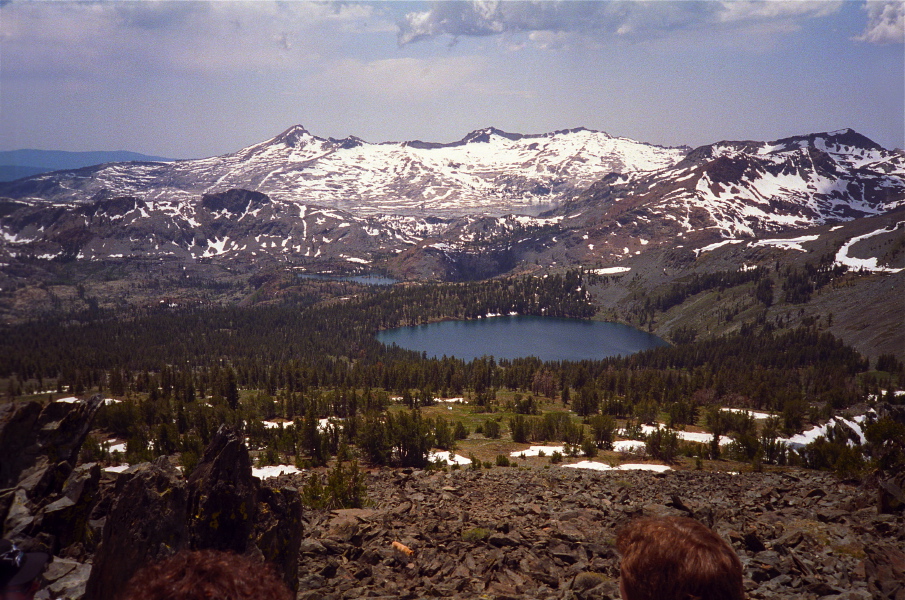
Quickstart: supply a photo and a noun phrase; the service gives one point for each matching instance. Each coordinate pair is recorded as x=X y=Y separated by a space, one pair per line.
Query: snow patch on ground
x=753 y=413
x=598 y=466
x=611 y=270
x=790 y=244
x=274 y=471
x=804 y=438
x=690 y=436
x=537 y=450
x=715 y=246
x=449 y=457
x=629 y=445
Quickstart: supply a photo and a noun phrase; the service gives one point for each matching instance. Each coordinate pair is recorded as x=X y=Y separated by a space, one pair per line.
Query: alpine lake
x=510 y=337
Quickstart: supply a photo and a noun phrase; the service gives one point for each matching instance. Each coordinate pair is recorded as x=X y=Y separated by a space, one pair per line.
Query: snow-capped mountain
x=635 y=198
x=749 y=188
x=487 y=172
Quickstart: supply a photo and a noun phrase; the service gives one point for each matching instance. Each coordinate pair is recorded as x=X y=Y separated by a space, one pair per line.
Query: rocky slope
x=518 y=532
x=549 y=533
x=749 y=189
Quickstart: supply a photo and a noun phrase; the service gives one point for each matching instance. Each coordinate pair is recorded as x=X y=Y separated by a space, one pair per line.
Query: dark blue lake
x=548 y=338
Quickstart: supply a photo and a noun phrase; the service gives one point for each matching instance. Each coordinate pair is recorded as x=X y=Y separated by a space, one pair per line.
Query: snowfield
x=806 y=437
x=689 y=436
x=867 y=264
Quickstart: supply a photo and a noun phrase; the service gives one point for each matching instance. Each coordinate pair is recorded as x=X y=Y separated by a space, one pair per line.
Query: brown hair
x=206 y=575
x=677 y=558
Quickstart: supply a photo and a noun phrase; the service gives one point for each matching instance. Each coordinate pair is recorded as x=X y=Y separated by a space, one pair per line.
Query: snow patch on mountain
x=866 y=264
x=488 y=172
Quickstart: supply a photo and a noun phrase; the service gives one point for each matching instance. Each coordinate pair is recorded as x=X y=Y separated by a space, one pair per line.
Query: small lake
x=548 y=338
x=365 y=279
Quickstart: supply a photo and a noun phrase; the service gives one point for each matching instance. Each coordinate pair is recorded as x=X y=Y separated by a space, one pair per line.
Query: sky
x=190 y=79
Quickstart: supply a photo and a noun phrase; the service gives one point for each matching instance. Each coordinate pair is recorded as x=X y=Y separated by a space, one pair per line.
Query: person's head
x=677 y=558
x=19 y=571
x=203 y=575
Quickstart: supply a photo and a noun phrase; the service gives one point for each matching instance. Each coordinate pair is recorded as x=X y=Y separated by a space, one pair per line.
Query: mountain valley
x=449 y=212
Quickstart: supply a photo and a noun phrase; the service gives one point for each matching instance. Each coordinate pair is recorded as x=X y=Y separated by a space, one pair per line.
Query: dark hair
x=18 y=568
x=677 y=558
x=206 y=575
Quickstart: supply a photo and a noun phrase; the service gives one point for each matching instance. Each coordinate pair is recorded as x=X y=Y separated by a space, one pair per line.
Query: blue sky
x=191 y=79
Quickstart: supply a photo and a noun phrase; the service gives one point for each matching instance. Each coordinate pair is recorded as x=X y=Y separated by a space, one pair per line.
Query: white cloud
x=744 y=10
x=79 y=39
x=885 y=23
x=594 y=20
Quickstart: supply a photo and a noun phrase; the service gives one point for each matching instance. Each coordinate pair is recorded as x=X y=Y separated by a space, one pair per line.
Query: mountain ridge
x=17 y=164
x=488 y=171
x=726 y=190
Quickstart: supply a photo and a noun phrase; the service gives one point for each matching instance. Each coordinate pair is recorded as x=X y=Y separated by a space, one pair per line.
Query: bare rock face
x=34 y=439
x=223 y=496
x=156 y=513
x=67 y=517
x=17 y=424
x=278 y=531
x=43 y=506
x=147 y=522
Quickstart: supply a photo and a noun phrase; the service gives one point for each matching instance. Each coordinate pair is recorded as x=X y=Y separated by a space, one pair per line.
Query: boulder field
x=550 y=533
x=544 y=532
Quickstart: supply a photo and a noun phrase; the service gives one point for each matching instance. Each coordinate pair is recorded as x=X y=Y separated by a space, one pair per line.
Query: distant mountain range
x=297 y=198
x=15 y=164
x=487 y=172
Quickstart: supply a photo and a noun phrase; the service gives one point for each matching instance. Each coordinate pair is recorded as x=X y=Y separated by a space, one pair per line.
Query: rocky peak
x=222 y=494
x=483 y=136
x=294 y=137
x=347 y=143
x=841 y=140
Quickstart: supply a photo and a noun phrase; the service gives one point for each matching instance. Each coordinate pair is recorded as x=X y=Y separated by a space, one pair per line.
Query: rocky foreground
x=549 y=533
x=504 y=532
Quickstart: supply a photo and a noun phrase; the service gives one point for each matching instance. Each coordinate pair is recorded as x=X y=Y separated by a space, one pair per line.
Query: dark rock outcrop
x=155 y=513
x=67 y=518
x=34 y=441
x=148 y=521
x=222 y=496
x=278 y=530
x=46 y=503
